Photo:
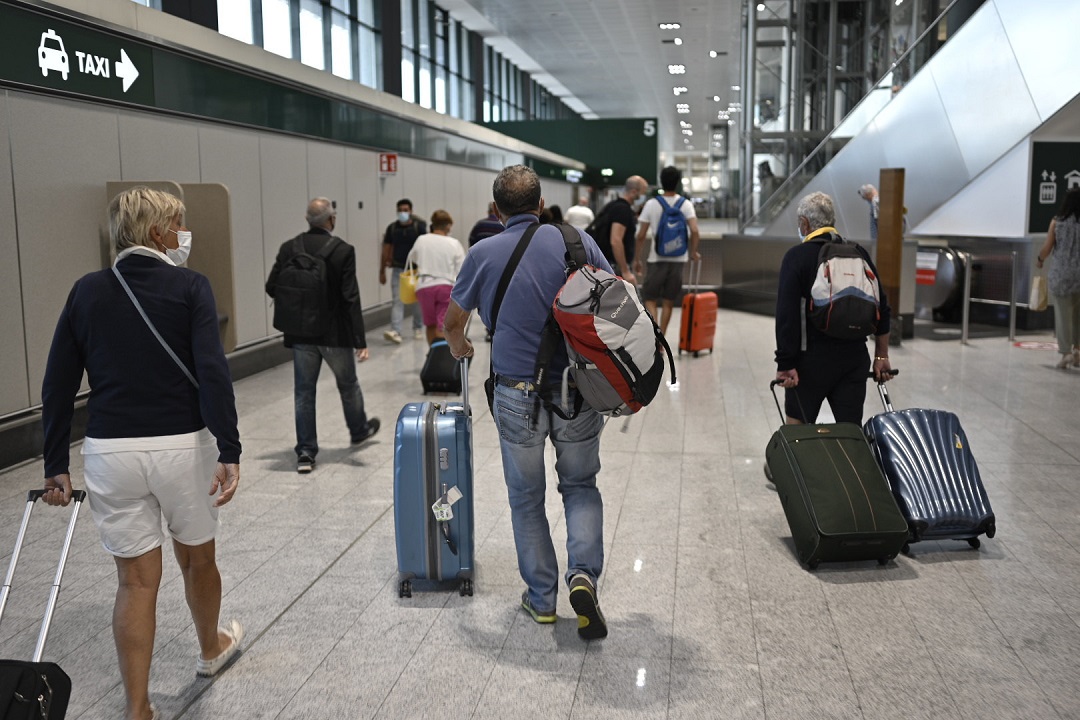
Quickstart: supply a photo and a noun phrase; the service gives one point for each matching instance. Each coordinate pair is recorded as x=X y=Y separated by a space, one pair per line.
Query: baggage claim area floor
x=710 y=613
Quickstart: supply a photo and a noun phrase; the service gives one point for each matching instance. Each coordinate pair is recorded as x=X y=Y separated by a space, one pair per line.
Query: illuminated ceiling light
x=683 y=123
x=736 y=88
x=761 y=6
x=687 y=132
x=716 y=98
x=684 y=111
x=670 y=26
x=607 y=172
x=678 y=41
x=676 y=69
x=678 y=90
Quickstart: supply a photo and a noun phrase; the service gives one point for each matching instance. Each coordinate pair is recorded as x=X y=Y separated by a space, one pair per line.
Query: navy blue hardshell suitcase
x=433 y=463
x=926 y=457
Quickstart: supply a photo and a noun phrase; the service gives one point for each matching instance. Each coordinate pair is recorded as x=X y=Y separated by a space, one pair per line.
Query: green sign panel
x=618 y=147
x=1055 y=169
x=43 y=51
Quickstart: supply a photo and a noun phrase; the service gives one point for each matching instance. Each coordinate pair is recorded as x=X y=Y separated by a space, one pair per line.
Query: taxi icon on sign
x=52 y=55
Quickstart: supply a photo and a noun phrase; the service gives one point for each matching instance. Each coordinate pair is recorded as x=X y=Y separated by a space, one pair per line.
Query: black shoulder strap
x=508 y=273
x=575 y=248
x=328 y=247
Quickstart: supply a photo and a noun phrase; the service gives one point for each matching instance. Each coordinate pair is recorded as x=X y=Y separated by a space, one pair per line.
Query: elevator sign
x=46 y=52
x=1055 y=170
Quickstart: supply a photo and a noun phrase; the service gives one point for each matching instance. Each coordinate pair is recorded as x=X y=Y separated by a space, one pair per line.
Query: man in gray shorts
x=663 y=280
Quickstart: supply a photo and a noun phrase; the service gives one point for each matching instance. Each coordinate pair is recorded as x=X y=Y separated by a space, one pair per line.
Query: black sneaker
x=305 y=464
x=372 y=428
x=590 y=621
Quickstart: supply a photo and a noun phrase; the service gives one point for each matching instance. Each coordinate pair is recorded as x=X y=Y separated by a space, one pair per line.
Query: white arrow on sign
x=126 y=70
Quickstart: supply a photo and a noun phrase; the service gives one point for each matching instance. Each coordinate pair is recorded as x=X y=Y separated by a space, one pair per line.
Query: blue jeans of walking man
x=397 y=309
x=577 y=452
x=307 y=361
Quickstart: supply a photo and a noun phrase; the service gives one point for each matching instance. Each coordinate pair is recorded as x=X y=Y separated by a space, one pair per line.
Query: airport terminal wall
x=57 y=155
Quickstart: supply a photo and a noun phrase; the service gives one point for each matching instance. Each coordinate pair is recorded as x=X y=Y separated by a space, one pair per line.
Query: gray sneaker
x=392 y=336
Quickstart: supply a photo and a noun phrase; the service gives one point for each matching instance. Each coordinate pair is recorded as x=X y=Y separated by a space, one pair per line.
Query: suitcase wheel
x=466 y=588
x=883 y=561
x=906 y=550
x=813 y=564
x=404 y=589
x=974 y=542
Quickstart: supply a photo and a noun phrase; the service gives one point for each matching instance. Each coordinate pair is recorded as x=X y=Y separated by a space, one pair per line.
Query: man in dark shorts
x=663 y=280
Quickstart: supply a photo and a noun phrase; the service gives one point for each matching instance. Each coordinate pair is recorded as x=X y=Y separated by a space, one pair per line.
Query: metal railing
x=965 y=322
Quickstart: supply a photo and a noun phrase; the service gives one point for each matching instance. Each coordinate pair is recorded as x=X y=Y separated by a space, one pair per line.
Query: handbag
x=1038 y=299
x=407 y=284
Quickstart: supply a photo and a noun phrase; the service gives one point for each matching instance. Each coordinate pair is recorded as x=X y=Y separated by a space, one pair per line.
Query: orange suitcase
x=698 y=326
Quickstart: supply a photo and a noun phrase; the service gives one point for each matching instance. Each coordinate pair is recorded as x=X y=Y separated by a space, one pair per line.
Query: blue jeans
x=307 y=361
x=397 y=310
x=577 y=453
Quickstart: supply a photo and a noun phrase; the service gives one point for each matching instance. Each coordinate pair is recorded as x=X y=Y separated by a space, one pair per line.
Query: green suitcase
x=838 y=504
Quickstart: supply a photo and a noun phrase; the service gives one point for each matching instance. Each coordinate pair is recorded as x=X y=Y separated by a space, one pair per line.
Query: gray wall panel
x=916 y=129
x=976 y=72
x=155 y=148
x=284 y=183
x=365 y=233
x=62 y=154
x=1044 y=50
x=434 y=191
x=391 y=189
x=15 y=390
x=231 y=157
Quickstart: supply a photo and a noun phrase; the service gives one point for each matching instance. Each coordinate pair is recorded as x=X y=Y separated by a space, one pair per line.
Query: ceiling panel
x=608 y=57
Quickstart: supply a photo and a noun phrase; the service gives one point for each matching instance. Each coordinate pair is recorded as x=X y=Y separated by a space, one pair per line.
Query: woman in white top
x=437 y=258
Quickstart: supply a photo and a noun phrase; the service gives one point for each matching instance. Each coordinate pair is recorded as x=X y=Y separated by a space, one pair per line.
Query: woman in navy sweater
x=156 y=439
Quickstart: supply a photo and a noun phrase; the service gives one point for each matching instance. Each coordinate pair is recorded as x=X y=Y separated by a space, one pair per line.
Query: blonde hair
x=134 y=212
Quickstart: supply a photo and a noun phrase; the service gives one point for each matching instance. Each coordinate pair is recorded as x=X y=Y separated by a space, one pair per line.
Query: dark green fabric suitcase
x=838 y=504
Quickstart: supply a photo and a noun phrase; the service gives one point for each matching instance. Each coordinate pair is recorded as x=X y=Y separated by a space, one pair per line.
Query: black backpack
x=301 y=299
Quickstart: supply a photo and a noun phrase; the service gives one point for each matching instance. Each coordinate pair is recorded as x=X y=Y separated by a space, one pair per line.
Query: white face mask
x=403 y=217
x=181 y=253
x=639 y=201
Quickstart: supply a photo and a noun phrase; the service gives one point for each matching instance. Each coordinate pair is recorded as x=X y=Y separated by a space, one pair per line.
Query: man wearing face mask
x=613 y=228
x=342 y=338
x=397 y=243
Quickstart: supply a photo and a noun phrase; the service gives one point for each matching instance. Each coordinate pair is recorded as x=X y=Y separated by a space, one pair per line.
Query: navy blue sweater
x=797 y=272
x=136 y=390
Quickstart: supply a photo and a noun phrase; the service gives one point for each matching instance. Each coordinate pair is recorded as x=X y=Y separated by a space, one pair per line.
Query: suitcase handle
x=78 y=496
x=694 y=285
x=783 y=418
x=883 y=392
x=465 y=385
x=35 y=495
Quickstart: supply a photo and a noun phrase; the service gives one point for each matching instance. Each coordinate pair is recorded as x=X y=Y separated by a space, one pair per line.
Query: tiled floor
x=711 y=616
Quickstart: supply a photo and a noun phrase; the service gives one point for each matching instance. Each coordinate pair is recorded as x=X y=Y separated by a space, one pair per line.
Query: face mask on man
x=798 y=229
x=403 y=217
x=639 y=201
x=180 y=254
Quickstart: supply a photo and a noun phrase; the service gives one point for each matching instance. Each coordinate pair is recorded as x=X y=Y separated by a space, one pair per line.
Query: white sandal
x=209 y=668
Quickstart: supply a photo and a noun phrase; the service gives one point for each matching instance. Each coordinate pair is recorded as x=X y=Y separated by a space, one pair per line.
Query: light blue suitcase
x=432 y=456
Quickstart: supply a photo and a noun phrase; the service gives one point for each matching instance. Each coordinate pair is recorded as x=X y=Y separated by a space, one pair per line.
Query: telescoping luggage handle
x=78 y=496
x=694 y=276
x=881 y=391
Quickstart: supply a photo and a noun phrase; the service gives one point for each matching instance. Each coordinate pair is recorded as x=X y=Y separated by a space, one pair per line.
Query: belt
x=514 y=384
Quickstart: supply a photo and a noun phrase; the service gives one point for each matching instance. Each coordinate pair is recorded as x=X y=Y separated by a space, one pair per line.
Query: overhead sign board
x=47 y=52
x=1055 y=169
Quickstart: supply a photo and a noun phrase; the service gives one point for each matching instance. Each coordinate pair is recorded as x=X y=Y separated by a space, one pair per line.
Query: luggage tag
x=443 y=507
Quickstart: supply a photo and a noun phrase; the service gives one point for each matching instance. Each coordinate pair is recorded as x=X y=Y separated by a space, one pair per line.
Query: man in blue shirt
x=521 y=317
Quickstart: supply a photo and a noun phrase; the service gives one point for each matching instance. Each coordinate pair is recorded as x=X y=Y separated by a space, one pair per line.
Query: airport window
x=312 y=50
x=234 y=20
x=277 y=27
x=341 y=46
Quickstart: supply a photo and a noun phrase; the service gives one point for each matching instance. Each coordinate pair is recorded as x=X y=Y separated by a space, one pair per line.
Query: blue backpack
x=672 y=234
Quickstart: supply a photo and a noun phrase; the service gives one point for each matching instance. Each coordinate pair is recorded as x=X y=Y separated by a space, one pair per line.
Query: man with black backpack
x=827 y=303
x=613 y=228
x=675 y=231
x=317 y=306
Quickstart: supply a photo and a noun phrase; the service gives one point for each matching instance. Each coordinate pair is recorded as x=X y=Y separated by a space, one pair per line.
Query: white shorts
x=130 y=491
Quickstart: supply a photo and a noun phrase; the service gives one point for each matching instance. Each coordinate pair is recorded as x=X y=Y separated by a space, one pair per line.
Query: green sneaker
x=544 y=618
x=590 y=621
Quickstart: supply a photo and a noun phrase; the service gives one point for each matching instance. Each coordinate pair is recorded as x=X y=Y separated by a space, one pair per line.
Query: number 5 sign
x=650 y=128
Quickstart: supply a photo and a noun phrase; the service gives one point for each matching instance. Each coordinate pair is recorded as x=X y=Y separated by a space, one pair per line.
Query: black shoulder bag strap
x=500 y=291
x=552 y=336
